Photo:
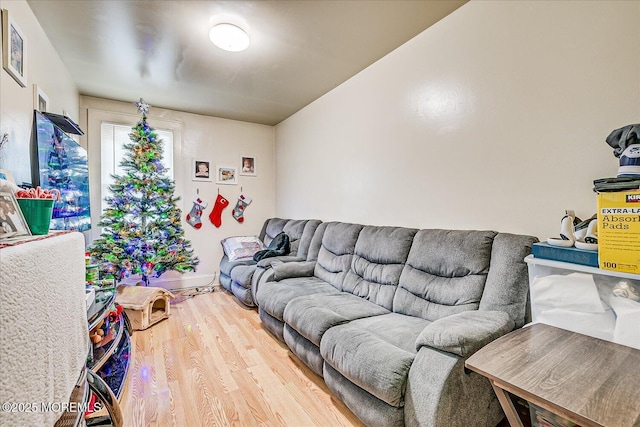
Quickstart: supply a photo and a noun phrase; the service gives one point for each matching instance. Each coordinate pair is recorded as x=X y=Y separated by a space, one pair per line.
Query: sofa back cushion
x=271 y=228
x=316 y=242
x=378 y=260
x=336 y=252
x=299 y=231
x=445 y=273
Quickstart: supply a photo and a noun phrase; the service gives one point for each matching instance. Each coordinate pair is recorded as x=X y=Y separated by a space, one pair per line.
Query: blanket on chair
x=279 y=246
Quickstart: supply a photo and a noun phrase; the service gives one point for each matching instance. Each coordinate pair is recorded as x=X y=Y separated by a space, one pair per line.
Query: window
x=113 y=138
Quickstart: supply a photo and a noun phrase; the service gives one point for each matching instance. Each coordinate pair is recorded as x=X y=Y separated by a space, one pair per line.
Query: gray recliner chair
x=236 y=276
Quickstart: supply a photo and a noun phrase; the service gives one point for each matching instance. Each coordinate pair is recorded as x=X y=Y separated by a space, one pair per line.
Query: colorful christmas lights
x=142 y=233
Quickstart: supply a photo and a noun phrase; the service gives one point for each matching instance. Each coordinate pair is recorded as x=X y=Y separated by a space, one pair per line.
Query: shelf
x=100 y=307
x=115 y=370
x=103 y=350
x=108 y=360
x=110 y=414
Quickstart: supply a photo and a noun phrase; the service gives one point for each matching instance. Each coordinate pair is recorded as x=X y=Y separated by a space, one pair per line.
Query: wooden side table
x=583 y=379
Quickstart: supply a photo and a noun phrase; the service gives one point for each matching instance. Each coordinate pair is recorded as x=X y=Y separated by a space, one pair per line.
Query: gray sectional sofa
x=238 y=276
x=388 y=315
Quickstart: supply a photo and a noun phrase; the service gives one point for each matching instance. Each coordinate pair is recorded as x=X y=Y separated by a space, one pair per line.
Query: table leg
x=507 y=406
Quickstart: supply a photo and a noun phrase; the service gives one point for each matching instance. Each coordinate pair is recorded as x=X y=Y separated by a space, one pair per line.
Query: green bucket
x=37 y=212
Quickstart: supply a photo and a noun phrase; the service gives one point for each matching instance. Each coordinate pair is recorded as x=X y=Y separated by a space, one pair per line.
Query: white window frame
x=113 y=136
x=95 y=118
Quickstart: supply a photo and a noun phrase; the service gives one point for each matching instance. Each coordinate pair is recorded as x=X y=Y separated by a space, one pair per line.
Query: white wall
x=494 y=118
x=45 y=69
x=220 y=141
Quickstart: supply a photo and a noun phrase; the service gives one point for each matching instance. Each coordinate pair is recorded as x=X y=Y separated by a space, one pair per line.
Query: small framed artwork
x=12 y=223
x=6 y=175
x=14 y=49
x=226 y=175
x=248 y=165
x=201 y=170
x=40 y=99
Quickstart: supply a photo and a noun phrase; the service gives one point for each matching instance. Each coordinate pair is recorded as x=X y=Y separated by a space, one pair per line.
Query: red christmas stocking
x=216 y=213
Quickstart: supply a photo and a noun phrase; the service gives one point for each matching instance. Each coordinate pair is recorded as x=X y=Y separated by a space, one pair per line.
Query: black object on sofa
x=387 y=315
x=279 y=246
x=237 y=276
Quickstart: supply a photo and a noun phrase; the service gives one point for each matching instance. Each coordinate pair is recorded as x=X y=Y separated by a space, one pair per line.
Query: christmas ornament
x=143 y=107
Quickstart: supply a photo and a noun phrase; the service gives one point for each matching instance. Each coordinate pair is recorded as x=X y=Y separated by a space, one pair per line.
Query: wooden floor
x=212 y=364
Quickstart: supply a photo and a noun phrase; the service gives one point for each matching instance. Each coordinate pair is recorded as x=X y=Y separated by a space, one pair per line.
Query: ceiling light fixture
x=229 y=37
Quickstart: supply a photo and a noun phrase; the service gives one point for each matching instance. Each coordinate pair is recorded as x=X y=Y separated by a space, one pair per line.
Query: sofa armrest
x=287 y=270
x=465 y=333
x=268 y=262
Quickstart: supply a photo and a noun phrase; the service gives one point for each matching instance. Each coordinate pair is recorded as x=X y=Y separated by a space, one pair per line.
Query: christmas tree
x=142 y=233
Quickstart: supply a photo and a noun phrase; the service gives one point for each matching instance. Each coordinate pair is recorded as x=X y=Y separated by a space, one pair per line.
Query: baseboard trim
x=180 y=282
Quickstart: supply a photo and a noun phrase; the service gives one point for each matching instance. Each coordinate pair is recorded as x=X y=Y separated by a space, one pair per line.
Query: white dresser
x=43 y=327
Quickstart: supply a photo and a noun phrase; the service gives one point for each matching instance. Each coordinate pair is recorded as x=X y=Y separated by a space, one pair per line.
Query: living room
x=493 y=118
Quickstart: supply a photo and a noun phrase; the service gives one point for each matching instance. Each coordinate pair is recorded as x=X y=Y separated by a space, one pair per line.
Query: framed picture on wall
x=14 y=49
x=12 y=223
x=40 y=99
x=248 y=165
x=201 y=170
x=226 y=175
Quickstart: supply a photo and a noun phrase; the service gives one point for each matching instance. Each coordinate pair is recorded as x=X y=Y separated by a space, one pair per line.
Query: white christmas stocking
x=194 y=217
x=238 y=211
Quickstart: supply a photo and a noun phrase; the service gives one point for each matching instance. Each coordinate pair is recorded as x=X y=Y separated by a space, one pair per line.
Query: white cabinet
x=43 y=326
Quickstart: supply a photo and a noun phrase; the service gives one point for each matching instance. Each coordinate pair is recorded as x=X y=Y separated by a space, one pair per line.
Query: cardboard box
x=619 y=231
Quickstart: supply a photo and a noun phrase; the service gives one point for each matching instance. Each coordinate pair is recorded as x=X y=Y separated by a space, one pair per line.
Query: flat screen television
x=60 y=162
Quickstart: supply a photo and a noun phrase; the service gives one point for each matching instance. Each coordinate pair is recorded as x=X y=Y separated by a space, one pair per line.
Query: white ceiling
x=159 y=49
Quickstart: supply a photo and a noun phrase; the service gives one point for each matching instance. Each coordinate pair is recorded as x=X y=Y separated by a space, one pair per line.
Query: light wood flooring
x=213 y=364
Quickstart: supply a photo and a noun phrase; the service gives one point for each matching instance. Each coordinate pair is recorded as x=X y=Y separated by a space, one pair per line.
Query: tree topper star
x=143 y=107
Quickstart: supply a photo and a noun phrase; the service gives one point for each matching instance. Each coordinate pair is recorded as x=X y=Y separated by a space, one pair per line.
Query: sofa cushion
x=445 y=273
x=378 y=260
x=311 y=316
x=336 y=252
x=273 y=297
x=375 y=353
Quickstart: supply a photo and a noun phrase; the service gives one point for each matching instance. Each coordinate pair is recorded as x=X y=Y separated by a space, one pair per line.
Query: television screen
x=60 y=162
